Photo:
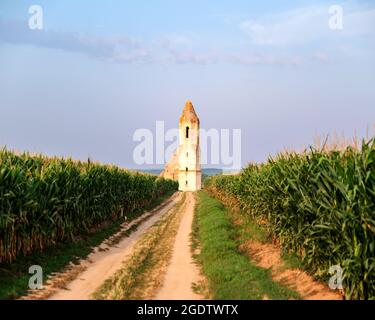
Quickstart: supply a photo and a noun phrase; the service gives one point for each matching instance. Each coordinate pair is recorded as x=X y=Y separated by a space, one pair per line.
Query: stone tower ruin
x=184 y=165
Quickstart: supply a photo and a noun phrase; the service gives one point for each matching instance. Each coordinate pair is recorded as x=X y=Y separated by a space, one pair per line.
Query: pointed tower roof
x=189 y=114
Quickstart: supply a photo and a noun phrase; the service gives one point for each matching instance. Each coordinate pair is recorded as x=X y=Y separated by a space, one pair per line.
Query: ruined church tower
x=185 y=166
x=189 y=168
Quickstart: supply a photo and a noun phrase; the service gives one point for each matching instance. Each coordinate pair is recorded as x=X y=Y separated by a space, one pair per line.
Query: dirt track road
x=181 y=271
x=102 y=264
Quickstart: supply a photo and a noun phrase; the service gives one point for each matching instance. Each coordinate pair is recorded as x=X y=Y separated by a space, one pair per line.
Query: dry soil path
x=182 y=272
x=101 y=265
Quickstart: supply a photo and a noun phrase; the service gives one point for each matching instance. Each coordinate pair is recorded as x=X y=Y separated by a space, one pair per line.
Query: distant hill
x=205 y=171
x=151 y=171
x=211 y=171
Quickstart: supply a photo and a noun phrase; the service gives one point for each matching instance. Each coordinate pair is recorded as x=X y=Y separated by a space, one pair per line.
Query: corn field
x=318 y=204
x=47 y=200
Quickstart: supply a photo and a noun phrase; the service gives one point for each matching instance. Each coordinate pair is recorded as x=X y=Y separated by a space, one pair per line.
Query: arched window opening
x=187 y=169
x=187 y=132
x=186 y=182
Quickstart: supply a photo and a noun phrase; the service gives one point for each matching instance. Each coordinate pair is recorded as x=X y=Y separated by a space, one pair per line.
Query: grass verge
x=230 y=274
x=248 y=228
x=14 y=277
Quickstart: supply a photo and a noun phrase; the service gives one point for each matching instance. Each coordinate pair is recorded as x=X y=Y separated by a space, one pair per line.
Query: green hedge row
x=320 y=205
x=46 y=200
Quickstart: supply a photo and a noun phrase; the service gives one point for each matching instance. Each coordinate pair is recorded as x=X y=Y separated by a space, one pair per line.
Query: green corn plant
x=47 y=200
x=318 y=204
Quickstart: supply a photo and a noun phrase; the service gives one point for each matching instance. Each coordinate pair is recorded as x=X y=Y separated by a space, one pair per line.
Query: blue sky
x=100 y=70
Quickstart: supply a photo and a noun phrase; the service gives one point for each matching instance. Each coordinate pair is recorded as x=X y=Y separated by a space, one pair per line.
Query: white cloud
x=321 y=56
x=118 y=48
x=306 y=25
x=361 y=23
x=181 y=50
x=264 y=59
x=288 y=28
x=175 y=40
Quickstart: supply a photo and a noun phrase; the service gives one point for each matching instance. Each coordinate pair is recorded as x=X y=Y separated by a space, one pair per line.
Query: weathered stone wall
x=171 y=168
